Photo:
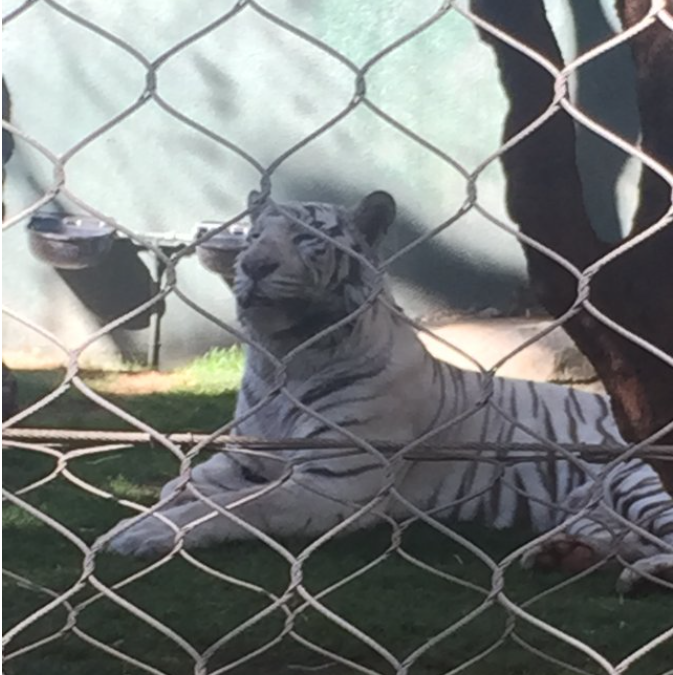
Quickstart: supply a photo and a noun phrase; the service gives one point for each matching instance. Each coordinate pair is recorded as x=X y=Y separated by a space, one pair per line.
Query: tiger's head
x=296 y=272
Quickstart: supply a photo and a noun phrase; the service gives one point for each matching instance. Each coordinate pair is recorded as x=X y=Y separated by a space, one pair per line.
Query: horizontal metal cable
x=468 y=449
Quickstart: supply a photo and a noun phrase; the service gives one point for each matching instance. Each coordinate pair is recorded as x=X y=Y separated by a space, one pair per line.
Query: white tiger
x=310 y=266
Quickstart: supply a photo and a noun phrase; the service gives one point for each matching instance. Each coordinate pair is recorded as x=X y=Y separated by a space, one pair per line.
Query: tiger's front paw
x=146 y=538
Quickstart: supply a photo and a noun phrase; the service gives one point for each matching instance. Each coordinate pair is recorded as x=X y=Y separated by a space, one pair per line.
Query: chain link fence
x=292 y=598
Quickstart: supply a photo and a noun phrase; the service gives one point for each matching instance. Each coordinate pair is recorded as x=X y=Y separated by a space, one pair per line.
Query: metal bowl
x=218 y=254
x=69 y=242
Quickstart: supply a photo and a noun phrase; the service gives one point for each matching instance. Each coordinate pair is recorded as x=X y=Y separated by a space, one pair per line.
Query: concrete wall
x=265 y=89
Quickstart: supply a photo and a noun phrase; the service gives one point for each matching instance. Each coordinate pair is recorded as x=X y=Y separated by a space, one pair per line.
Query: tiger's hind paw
x=653 y=572
x=563 y=552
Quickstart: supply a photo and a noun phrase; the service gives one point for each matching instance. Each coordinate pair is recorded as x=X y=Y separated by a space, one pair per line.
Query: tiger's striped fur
x=372 y=377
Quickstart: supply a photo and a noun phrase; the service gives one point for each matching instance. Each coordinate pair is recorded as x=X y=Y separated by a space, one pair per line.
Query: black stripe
x=605 y=416
x=494 y=497
x=467 y=480
x=572 y=422
x=436 y=372
x=664 y=503
x=548 y=425
x=588 y=528
x=337 y=384
x=434 y=498
x=515 y=404
x=336 y=281
x=574 y=477
x=522 y=510
x=547 y=479
x=319 y=430
x=345 y=473
x=251 y=476
x=337 y=404
x=247 y=391
x=572 y=395
x=549 y=469
x=664 y=530
x=624 y=474
x=354 y=274
x=632 y=499
x=480 y=513
x=334 y=231
x=303 y=236
x=579 y=473
x=536 y=398
x=324 y=428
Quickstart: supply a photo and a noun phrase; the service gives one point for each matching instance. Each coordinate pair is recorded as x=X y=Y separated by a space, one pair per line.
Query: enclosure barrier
x=296 y=600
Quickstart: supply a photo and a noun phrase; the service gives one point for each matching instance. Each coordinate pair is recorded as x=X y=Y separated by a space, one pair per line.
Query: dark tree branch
x=544 y=197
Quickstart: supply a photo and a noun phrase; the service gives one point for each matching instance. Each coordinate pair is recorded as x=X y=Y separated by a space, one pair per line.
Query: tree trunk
x=544 y=197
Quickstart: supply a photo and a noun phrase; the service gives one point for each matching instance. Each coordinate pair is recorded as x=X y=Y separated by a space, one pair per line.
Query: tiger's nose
x=258 y=269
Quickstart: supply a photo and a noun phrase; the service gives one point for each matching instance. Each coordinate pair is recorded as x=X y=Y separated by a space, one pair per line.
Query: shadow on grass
x=166 y=411
x=397 y=603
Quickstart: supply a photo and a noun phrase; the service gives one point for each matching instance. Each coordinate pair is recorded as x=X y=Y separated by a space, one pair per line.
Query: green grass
x=398 y=604
x=217 y=371
x=201 y=396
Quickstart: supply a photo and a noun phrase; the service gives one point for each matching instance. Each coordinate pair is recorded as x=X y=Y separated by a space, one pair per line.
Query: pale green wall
x=265 y=89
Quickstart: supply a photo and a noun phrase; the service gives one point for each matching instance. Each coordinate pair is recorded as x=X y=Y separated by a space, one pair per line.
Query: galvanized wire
x=64 y=446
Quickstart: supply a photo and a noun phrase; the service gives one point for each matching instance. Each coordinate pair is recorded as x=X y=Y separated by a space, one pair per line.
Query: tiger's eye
x=304 y=236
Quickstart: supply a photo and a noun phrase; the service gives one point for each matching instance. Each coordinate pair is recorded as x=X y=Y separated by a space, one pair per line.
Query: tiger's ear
x=255 y=204
x=374 y=215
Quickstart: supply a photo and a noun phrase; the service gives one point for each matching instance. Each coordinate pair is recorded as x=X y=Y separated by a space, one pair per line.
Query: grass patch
x=198 y=397
x=217 y=371
x=397 y=603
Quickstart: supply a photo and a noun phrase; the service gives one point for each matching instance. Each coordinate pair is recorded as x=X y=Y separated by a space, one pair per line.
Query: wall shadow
x=606 y=90
x=119 y=284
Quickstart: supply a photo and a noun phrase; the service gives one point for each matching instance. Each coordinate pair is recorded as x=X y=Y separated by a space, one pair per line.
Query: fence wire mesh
x=286 y=600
